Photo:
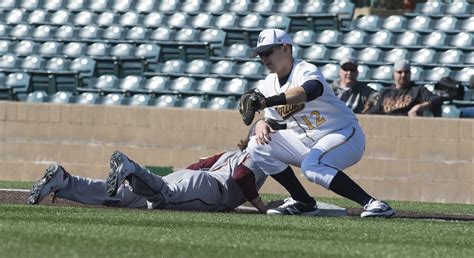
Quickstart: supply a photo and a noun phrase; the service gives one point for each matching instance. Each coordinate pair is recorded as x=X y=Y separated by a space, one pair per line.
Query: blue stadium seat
x=277 y=21
x=183 y=84
x=37 y=17
x=88 y=98
x=435 y=39
x=167 y=101
x=83 y=65
x=435 y=74
x=381 y=38
x=145 y=6
x=57 y=64
x=43 y=32
x=264 y=6
x=177 y=19
x=3 y=30
x=355 y=37
x=113 y=99
x=209 y=85
x=50 y=48
x=5 y=46
x=237 y=51
x=151 y=54
x=382 y=73
x=16 y=86
x=316 y=52
x=98 y=49
x=368 y=22
x=99 y=6
x=330 y=71
x=174 y=66
x=122 y=50
x=37 y=97
x=186 y=35
x=139 y=100
x=131 y=83
x=61 y=97
x=251 y=21
x=60 y=17
x=469 y=58
x=431 y=8
x=153 y=20
x=459 y=8
x=168 y=6
x=304 y=37
x=161 y=34
x=122 y=5
x=340 y=52
x=376 y=86
x=193 y=102
x=15 y=16
x=21 y=31
x=201 y=20
x=113 y=32
x=215 y=6
x=221 y=103
x=420 y=23
x=424 y=56
x=446 y=24
x=242 y=6
x=344 y=9
x=7 y=4
x=371 y=55
x=451 y=57
x=32 y=62
x=76 y=5
x=288 y=7
x=198 y=67
x=74 y=49
x=129 y=19
x=251 y=69
x=53 y=5
x=105 y=83
x=395 y=23
x=25 y=48
x=468 y=24
x=65 y=32
x=416 y=73
x=364 y=72
x=9 y=61
x=226 y=20
x=106 y=19
x=464 y=74
x=235 y=86
x=395 y=54
x=191 y=6
x=462 y=40
x=408 y=39
x=157 y=84
x=89 y=32
x=223 y=67
x=329 y=37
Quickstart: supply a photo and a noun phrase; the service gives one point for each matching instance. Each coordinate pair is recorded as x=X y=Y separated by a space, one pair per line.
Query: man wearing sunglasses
x=315 y=130
x=356 y=95
x=404 y=97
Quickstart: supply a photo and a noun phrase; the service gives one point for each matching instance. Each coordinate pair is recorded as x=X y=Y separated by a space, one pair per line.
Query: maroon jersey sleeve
x=245 y=180
x=205 y=162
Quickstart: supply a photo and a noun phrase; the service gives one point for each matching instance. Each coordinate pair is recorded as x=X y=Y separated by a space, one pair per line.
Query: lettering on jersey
x=286 y=111
x=391 y=104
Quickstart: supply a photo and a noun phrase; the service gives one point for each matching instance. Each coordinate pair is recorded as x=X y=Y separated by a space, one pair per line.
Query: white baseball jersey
x=311 y=120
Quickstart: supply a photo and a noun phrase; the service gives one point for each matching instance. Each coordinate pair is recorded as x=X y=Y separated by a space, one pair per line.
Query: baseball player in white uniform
x=322 y=135
x=218 y=183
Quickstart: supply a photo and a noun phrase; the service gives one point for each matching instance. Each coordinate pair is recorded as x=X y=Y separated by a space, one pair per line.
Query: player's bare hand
x=414 y=111
x=262 y=132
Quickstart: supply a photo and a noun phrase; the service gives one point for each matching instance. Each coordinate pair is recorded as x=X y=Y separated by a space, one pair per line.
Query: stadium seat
x=145 y=6
x=15 y=16
x=122 y=50
x=21 y=31
x=24 y=48
x=99 y=6
x=250 y=69
x=316 y=52
x=340 y=52
x=223 y=67
x=5 y=46
x=394 y=23
x=61 y=97
x=376 y=86
x=129 y=19
x=84 y=18
x=288 y=7
x=364 y=72
x=114 y=32
x=458 y=8
x=420 y=23
x=174 y=66
x=215 y=6
x=183 y=84
x=237 y=51
x=201 y=20
x=469 y=58
x=424 y=56
x=74 y=49
x=9 y=61
x=177 y=19
x=65 y=32
x=225 y=20
x=277 y=21
x=106 y=19
x=263 y=6
x=451 y=57
x=30 y=4
x=7 y=4
x=212 y=35
x=329 y=37
x=161 y=34
x=37 y=97
x=342 y=8
x=50 y=48
x=122 y=5
x=17 y=85
x=240 y=6
x=436 y=74
x=395 y=54
x=89 y=32
x=131 y=83
x=235 y=86
x=193 y=102
x=368 y=23
x=355 y=37
x=151 y=54
x=37 y=17
x=371 y=55
x=468 y=24
x=191 y=6
x=83 y=65
x=432 y=8
x=186 y=35
x=381 y=38
x=60 y=17
x=382 y=73
x=157 y=84
x=57 y=64
x=32 y=62
x=98 y=49
x=435 y=39
x=198 y=67
x=43 y=32
x=139 y=100
x=330 y=72
x=446 y=24
x=416 y=73
x=88 y=98
x=105 y=83
x=304 y=37
x=408 y=39
x=168 y=6
x=3 y=30
x=153 y=20
x=167 y=101
x=251 y=21
x=221 y=103
x=209 y=85
x=462 y=40
x=113 y=99
x=76 y=5
x=53 y=5
x=464 y=74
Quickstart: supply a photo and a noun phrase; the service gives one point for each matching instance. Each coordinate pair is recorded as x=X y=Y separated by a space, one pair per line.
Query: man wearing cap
x=356 y=95
x=404 y=97
x=306 y=126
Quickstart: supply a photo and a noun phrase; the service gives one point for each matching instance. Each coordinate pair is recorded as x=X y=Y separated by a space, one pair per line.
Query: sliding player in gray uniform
x=218 y=183
x=322 y=135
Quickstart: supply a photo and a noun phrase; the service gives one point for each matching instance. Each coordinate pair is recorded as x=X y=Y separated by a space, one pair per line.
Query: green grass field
x=53 y=231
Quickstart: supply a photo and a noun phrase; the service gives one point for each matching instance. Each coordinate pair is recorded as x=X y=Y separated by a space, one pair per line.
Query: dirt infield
x=19 y=197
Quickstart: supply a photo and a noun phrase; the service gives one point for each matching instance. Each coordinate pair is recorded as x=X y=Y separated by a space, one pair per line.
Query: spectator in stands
x=357 y=95
x=404 y=97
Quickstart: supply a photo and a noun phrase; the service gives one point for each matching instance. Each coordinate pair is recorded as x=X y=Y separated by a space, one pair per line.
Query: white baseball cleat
x=292 y=207
x=120 y=169
x=376 y=208
x=55 y=177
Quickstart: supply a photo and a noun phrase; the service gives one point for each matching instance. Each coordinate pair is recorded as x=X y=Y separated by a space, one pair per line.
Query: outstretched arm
x=245 y=180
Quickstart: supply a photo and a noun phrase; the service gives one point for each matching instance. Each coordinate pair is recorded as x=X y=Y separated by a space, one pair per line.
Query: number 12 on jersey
x=319 y=120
